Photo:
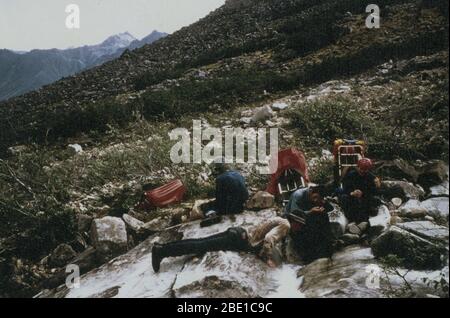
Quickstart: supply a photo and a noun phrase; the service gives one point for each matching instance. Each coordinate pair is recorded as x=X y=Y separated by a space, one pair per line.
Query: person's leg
x=279 y=229
x=221 y=196
x=234 y=239
x=258 y=233
x=373 y=204
x=345 y=201
x=316 y=238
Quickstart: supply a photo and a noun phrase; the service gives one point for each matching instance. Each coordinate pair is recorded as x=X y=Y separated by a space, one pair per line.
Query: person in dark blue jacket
x=231 y=193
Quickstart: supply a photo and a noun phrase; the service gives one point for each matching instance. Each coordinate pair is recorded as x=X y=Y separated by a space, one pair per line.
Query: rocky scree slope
x=270 y=46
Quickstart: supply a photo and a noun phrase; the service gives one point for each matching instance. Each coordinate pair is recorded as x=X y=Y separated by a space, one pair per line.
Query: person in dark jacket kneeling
x=310 y=225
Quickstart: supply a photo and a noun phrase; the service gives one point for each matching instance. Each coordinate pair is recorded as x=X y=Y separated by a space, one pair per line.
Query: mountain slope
x=302 y=41
x=24 y=72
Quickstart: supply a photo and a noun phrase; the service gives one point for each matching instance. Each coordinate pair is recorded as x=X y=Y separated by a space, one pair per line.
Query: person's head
x=364 y=166
x=219 y=168
x=316 y=195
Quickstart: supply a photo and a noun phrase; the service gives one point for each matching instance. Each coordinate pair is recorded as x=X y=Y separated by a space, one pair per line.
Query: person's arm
x=298 y=205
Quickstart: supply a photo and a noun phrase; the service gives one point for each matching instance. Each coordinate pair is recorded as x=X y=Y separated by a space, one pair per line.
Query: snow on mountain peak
x=119 y=40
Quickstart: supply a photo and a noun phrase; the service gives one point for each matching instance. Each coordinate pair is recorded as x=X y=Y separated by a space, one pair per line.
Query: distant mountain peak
x=119 y=40
x=50 y=65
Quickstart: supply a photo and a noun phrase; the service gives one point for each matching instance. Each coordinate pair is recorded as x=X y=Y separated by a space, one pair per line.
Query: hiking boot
x=157 y=256
x=352 y=228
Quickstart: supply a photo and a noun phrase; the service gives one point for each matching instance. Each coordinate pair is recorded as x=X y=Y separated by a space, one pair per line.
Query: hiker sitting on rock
x=358 y=196
x=231 y=190
x=310 y=225
x=261 y=240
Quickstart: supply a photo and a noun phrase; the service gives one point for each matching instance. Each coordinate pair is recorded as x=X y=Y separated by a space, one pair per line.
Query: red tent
x=287 y=159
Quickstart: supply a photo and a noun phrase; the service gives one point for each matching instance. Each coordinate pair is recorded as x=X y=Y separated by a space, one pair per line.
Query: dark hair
x=319 y=189
x=219 y=168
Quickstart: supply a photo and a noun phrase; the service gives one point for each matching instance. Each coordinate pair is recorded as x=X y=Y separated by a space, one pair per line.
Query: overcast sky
x=32 y=24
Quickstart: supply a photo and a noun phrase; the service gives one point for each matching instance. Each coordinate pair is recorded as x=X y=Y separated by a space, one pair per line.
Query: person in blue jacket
x=231 y=191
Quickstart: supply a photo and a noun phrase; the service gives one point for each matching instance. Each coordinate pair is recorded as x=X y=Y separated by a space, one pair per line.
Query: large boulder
x=436 y=207
x=426 y=174
x=223 y=274
x=354 y=272
x=344 y=276
x=398 y=170
x=415 y=251
x=261 y=200
x=109 y=237
x=402 y=189
x=413 y=209
x=427 y=230
x=440 y=190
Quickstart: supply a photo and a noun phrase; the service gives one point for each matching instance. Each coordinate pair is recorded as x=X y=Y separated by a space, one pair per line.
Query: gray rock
x=109 y=237
x=261 y=200
x=440 y=190
x=413 y=209
x=415 y=251
x=262 y=114
x=382 y=220
x=156 y=225
x=343 y=276
x=132 y=223
x=397 y=202
x=223 y=274
x=338 y=221
x=398 y=169
x=436 y=207
x=279 y=106
x=245 y=120
x=75 y=148
x=427 y=230
x=410 y=191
